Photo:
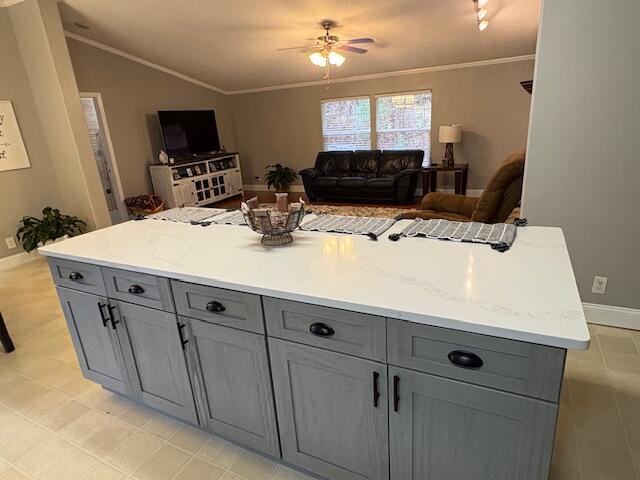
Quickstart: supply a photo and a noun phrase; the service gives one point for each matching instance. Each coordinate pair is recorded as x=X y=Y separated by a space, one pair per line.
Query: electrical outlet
x=11 y=242
x=599 y=285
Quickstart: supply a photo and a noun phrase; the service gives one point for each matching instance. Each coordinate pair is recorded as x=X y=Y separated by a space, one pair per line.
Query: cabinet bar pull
x=396 y=392
x=376 y=388
x=114 y=322
x=104 y=319
x=215 y=307
x=465 y=359
x=75 y=276
x=136 y=289
x=321 y=329
x=183 y=342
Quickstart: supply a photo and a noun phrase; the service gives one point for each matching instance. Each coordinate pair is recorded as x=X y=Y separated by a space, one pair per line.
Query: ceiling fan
x=324 y=52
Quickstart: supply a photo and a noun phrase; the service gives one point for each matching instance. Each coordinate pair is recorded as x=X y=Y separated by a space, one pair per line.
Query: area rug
x=357 y=210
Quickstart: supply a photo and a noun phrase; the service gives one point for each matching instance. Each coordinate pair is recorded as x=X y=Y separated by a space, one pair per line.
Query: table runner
x=351 y=225
x=499 y=235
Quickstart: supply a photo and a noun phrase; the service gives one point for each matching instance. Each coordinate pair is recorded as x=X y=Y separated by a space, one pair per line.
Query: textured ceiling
x=233 y=44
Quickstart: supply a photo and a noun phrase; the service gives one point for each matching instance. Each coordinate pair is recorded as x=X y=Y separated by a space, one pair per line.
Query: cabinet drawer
x=217 y=305
x=77 y=276
x=519 y=367
x=330 y=328
x=139 y=288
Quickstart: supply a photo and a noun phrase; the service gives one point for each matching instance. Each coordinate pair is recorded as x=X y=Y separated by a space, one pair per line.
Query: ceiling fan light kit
x=481 y=14
x=323 y=52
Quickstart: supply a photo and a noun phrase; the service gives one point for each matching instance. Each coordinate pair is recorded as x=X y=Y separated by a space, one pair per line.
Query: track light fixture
x=481 y=13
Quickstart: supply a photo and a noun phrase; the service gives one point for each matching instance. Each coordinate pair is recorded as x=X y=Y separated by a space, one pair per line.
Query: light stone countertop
x=528 y=293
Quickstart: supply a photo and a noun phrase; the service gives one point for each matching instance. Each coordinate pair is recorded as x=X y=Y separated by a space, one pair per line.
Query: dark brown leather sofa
x=388 y=176
x=495 y=204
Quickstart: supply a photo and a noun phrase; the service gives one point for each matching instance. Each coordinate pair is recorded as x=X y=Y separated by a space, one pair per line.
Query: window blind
x=346 y=124
x=403 y=122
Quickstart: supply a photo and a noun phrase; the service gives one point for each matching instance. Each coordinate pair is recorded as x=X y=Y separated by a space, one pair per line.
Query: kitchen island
x=342 y=356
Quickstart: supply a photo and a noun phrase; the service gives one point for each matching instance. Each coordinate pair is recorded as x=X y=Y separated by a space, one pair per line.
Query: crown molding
x=355 y=78
x=142 y=61
x=396 y=73
x=8 y=3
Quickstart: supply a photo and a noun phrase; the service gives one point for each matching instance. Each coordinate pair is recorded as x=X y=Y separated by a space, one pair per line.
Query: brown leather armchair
x=495 y=204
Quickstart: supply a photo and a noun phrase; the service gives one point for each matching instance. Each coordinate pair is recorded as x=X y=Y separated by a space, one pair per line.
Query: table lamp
x=449 y=134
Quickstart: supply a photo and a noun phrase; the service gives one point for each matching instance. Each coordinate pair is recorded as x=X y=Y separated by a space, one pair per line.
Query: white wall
x=583 y=161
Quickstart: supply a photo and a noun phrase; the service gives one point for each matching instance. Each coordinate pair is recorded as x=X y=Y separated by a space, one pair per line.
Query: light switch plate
x=11 y=242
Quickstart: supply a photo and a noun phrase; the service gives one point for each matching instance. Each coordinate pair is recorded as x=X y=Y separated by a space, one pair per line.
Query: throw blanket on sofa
x=353 y=225
x=499 y=235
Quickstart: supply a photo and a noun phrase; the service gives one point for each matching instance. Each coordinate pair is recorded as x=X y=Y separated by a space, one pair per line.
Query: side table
x=430 y=177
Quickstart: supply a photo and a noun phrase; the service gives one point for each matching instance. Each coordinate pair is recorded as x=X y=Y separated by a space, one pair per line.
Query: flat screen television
x=187 y=133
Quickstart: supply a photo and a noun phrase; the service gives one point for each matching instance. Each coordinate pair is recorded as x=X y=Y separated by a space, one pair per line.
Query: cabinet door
x=231 y=380
x=94 y=339
x=332 y=411
x=155 y=359
x=443 y=429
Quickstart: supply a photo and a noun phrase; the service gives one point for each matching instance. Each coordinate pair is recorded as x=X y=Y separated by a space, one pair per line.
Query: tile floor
x=56 y=425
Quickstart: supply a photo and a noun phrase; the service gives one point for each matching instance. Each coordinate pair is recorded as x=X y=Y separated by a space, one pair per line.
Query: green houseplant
x=279 y=177
x=53 y=225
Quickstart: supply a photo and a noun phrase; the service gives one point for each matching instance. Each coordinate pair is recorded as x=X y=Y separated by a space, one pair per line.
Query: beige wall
x=583 y=162
x=132 y=94
x=27 y=191
x=285 y=125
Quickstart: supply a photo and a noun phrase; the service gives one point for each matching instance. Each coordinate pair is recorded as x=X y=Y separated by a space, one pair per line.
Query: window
x=346 y=124
x=403 y=122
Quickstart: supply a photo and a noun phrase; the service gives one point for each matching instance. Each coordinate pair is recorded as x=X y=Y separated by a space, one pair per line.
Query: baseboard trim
x=17 y=259
x=300 y=189
x=263 y=188
x=612 y=316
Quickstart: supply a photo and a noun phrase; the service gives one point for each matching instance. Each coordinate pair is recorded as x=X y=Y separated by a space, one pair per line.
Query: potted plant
x=279 y=177
x=53 y=226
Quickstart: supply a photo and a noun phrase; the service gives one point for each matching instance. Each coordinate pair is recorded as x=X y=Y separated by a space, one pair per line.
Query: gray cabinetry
x=155 y=358
x=449 y=430
x=77 y=276
x=217 y=305
x=519 y=367
x=230 y=376
x=332 y=411
x=94 y=338
x=138 y=288
x=330 y=328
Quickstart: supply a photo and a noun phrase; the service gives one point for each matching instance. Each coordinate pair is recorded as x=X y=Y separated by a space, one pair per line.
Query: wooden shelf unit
x=199 y=182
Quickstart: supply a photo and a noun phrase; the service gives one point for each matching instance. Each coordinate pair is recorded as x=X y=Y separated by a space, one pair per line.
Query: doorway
x=103 y=152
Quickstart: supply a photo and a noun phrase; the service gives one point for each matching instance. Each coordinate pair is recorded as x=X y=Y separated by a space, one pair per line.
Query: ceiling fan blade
x=347 y=48
x=359 y=40
x=306 y=47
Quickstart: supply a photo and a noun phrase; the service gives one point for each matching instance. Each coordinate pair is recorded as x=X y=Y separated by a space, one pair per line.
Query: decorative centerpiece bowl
x=275 y=224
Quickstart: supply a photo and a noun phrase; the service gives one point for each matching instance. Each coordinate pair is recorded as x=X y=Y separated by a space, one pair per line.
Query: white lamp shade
x=450 y=134
x=318 y=59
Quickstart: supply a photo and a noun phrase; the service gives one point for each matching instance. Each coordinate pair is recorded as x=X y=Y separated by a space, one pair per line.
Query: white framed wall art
x=13 y=155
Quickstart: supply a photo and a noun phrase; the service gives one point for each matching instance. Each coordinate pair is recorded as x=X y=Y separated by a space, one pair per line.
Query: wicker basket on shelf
x=144 y=204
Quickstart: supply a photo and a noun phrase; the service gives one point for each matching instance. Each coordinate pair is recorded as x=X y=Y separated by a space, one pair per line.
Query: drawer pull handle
x=136 y=289
x=215 y=307
x=75 y=276
x=321 y=329
x=465 y=359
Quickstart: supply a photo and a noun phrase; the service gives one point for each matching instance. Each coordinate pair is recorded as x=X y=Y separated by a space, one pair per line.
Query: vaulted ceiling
x=232 y=44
